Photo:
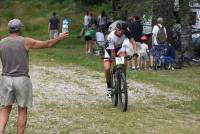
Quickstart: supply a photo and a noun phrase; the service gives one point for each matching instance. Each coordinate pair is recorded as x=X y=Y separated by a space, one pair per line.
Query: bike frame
x=119 y=85
x=117 y=70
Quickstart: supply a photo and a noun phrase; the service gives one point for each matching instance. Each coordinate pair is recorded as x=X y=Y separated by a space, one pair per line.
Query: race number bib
x=119 y=60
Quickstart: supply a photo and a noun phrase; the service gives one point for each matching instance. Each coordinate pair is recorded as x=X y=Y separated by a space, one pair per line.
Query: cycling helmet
x=144 y=38
x=122 y=25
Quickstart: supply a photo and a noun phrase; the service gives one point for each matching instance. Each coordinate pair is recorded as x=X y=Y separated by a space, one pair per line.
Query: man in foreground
x=15 y=85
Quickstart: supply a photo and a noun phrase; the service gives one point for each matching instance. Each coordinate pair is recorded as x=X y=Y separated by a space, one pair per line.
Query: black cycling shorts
x=116 y=51
x=87 y=38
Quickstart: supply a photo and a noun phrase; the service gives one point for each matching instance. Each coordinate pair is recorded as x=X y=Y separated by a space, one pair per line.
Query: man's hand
x=63 y=35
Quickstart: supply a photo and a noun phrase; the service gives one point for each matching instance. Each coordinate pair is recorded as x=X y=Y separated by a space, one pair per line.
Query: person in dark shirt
x=136 y=29
x=53 y=26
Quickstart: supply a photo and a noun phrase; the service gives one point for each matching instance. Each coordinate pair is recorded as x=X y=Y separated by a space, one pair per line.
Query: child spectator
x=143 y=53
x=100 y=38
x=100 y=42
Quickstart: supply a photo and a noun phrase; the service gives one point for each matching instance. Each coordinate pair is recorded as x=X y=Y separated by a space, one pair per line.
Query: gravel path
x=81 y=86
x=76 y=86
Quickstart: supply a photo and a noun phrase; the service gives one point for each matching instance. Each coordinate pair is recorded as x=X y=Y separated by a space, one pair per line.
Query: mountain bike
x=119 y=91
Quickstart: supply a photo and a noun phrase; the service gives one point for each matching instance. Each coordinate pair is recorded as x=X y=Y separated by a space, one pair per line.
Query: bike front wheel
x=114 y=94
x=123 y=93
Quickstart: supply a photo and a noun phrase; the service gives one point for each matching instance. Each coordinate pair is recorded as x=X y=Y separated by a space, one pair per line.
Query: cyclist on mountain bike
x=114 y=48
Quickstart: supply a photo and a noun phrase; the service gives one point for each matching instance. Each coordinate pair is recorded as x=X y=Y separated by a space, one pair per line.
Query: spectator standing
x=53 y=27
x=159 y=36
x=15 y=84
x=136 y=29
x=143 y=53
x=86 y=21
x=102 y=21
x=158 y=32
x=93 y=20
x=89 y=38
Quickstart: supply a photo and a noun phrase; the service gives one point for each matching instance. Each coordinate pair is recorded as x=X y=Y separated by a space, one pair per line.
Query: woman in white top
x=86 y=21
x=102 y=21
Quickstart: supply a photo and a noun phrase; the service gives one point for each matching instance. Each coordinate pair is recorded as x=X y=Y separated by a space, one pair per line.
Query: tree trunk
x=116 y=7
x=186 y=34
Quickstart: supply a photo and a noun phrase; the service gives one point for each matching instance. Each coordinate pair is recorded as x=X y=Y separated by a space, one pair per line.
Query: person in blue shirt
x=53 y=27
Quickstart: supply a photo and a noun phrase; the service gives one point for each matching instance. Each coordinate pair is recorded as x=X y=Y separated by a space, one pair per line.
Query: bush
x=30 y=27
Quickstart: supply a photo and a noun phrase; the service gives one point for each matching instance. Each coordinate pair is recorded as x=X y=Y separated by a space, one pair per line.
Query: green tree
x=186 y=29
x=116 y=9
x=165 y=9
x=136 y=7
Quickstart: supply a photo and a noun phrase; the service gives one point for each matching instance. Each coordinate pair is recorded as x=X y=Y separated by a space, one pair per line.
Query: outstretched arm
x=37 y=44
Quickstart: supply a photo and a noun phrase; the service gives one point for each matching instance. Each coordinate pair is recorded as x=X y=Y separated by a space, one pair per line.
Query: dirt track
x=79 y=85
x=59 y=88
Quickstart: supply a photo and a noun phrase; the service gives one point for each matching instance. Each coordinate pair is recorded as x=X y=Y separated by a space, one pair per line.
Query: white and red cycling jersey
x=115 y=43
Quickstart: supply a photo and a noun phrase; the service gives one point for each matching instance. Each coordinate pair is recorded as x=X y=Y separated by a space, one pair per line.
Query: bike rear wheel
x=114 y=94
x=123 y=93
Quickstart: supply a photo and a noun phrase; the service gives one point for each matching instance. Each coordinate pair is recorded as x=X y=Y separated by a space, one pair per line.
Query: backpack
x=161 y=36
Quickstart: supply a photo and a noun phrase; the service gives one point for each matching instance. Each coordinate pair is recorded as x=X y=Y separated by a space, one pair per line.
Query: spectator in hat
x=15 y=84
